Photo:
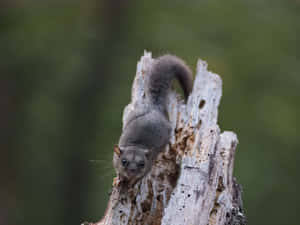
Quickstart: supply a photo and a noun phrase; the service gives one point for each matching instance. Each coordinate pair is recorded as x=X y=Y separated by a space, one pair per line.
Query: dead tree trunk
x=192 y=182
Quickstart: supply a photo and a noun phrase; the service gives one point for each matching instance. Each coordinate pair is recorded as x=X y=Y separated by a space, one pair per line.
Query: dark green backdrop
x=66 y=72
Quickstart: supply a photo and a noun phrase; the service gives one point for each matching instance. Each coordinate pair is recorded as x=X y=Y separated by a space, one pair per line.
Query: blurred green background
x=66 y=73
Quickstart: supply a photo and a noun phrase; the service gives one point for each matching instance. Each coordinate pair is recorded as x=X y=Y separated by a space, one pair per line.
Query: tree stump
x=191 y=182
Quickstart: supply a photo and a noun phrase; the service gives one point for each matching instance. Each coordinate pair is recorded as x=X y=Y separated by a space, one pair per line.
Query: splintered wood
x=192 y=182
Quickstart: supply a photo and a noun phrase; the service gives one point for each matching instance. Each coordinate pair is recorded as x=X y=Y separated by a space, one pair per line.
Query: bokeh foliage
x=66 y=73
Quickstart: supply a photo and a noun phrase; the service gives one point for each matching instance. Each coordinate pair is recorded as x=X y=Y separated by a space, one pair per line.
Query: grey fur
x=148 y=131
x=163 y=71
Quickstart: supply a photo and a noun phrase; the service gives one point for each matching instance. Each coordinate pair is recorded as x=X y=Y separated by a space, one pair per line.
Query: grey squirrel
x=147 y=132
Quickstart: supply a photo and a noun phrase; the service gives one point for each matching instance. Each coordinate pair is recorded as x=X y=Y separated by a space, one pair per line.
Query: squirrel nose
x=131 y=170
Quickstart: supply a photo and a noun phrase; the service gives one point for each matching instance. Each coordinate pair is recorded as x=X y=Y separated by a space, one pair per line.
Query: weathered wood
x=192 y=181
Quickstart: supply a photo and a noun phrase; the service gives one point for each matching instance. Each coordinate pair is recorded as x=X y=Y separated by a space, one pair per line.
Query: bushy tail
x=164 y=69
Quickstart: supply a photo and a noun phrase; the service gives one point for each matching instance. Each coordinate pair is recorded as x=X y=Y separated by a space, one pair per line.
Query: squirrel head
x=132 y=162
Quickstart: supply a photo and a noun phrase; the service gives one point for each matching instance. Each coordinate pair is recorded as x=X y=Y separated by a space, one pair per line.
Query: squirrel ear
x=117 y=150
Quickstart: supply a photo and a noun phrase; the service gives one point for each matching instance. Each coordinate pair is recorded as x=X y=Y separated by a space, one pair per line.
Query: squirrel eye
x=124 y=162
x=141 y=164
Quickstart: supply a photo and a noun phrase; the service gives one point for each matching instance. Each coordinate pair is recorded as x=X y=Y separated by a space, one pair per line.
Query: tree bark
x=192 y=182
